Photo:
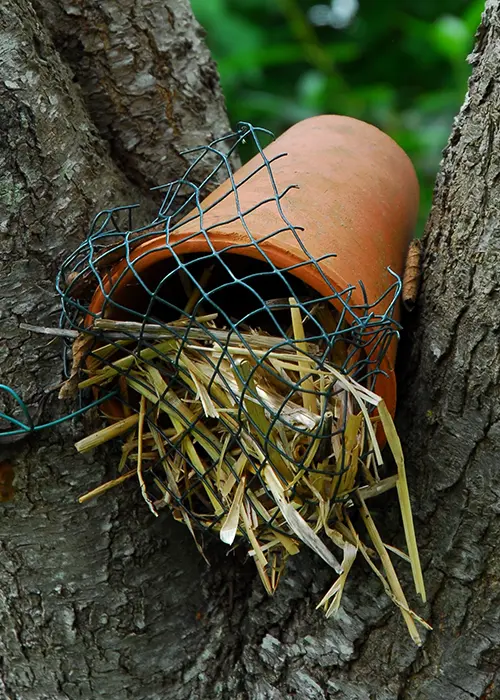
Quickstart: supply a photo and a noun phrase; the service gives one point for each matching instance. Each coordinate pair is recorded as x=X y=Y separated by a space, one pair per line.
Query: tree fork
x=103 y=600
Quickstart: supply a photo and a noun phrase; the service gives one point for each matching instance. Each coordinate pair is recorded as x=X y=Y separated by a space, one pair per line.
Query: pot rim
x=146 y=255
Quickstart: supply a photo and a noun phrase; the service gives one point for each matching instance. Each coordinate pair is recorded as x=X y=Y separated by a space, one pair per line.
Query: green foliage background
x=399 y=64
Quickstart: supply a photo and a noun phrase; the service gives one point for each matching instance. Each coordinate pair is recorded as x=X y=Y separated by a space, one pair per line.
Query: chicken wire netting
x=221 y=362
x=243 y=399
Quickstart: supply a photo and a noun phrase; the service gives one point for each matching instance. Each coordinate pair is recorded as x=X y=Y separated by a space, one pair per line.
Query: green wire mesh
x=246 y=293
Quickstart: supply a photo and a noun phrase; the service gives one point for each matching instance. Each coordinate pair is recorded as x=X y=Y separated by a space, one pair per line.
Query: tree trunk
x=96 y=601
x=105 y=601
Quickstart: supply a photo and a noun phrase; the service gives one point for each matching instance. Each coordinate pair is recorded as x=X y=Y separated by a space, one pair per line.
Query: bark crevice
x=148 y=82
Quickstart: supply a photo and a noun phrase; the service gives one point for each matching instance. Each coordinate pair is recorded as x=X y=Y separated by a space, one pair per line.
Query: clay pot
x=356 y=196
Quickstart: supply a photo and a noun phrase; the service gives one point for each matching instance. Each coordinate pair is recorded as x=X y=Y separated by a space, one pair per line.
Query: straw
x=230 y=448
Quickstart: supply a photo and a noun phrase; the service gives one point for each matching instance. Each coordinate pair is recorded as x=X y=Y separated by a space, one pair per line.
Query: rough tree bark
x=77 y=620
x=102 y=600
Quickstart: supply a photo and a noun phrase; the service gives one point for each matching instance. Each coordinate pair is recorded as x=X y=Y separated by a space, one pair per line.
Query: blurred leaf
x=472 y=15
x=451 y=37
x=311 y=88
x=400 y=64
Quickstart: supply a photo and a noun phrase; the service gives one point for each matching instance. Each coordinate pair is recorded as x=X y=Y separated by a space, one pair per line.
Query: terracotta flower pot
x=356 y=196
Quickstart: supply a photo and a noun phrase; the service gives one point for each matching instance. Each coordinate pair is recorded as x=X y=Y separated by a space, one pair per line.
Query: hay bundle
x=253 y=437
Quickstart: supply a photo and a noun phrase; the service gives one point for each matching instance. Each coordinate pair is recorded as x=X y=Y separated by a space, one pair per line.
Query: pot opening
x=239 y=295
x=252 y=306
x=245 y=293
